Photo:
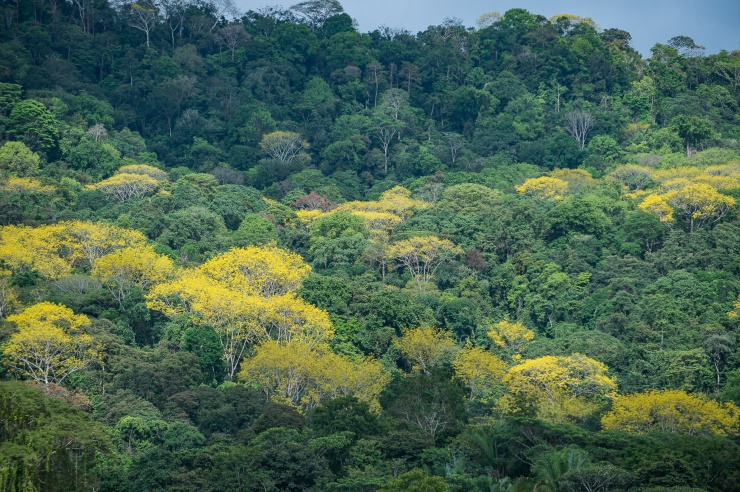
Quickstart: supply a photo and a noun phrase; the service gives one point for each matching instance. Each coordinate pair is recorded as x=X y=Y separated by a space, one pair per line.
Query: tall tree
x=579 y=124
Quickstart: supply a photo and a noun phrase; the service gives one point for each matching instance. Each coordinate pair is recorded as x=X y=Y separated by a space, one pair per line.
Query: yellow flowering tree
x=699 y=203
x=139 y=267
x=545 y=188
x=658 y=206
x=123 y=187
x=257 y=270
x=423 y=255
x=132 y=181
x=479 y=370
x=426 y=347
x=247 y=295
x=511 y=336
x=53 y=250
x=26 y=185
x=561 y=389
x=49 y=344
x=672 y=411
x=151 y=171
x=301 y=375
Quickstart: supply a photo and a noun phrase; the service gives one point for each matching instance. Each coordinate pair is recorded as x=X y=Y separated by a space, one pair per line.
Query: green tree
x=33 y=123
x=50 y=446
x=693 y=130
x=17 y=159
x=415 y=481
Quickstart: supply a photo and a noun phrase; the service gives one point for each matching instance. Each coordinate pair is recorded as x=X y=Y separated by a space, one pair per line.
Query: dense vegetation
x=275 y=253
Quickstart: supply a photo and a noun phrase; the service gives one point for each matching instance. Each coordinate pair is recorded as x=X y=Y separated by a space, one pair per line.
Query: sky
x=715 y=24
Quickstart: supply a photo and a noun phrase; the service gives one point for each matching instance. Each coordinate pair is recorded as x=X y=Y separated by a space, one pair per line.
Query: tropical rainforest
x=264 y=251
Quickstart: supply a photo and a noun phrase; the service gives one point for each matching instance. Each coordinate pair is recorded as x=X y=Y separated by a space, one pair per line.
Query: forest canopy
x=263 y=250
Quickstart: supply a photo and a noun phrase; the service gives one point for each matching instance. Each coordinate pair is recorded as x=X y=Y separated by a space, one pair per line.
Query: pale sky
x=712 y=23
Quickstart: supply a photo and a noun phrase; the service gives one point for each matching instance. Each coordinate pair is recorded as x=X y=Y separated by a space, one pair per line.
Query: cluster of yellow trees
x=269 y=336
x=421 y=255
x=561 y=388
x=54 y=250
x=686 y=194
x=274 y=340
x=50 y=343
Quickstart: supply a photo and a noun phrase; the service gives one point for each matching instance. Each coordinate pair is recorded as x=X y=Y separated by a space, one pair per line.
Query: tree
x=426 y=347
x=220 y=9
x=480 y=370
x=126 y=186
x=672 y=411
x=32 y=122
x=632 y=176
x=423 y=255
x=433 y=402
x=579 y=124
x=49 y=344
x=299 y=374
x=27 y=185
x=233 y=36
x=488 y=19
x=415 y=481
x=283 y=146
x=386 y=128
x=263 y=271
x=17 y=159
x=560 y=388
x=595 y=478
x=50 y=445
x=246 y=295
x=129 y=268
x=8 y=294
x=53 y=250
x=144 y=169
x=511 y=336
x=658 y=206
x=545 y=188
x=699 y=203
x=143 y=16
x=316 y=12
x=693 y=130
x=577 y=179
x=174 y=12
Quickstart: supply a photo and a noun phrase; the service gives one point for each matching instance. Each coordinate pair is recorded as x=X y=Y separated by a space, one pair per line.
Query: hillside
x=266 y=251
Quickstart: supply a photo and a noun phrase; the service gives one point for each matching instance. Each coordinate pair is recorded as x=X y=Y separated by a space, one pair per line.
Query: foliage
x=562 y=388
x=545 y=188
x=481 y=371
x=426 y=347
x=423 y=255
x=129 y=268
x=46 y=443
x=246 y=295
x=53 y=250
x=510 y=336
x=300 y=374
x=17 y=159
x=49 y=345
x=672 y=411
x=169 y=170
